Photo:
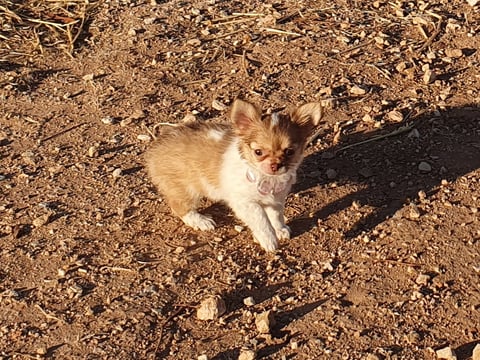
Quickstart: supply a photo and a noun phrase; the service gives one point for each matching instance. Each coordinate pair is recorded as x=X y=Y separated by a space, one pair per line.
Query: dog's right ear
x=308 y=116
x=244 y=115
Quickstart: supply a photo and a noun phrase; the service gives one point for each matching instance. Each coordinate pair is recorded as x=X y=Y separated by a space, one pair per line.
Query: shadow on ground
x=387 y=170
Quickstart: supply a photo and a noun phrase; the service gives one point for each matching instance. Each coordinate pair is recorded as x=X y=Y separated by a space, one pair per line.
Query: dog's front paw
x=198 y=221
x=283 y=233
x=268 y=243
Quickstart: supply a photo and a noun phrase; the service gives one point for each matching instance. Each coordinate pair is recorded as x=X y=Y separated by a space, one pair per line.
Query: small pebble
x=189 y=119
x=42 y=350
x=414 y=134
x=93 y=151
x=422 y=279
x=367 y=118
x=424 y=167
x=108 y=120
x=429 y=76
x=473 y=2
x=249 y=301
x=413 y=338
x=202 y=357
x=117 y=173
x=413 y=212
x=179 y=250
x=247 y=354
x=218 y=105
x=264 y=322
x=454 y=53
x=88 y=77
x=61 y=273
x=395 y=115
x=239 y=228
x=331 y=174
x=446 y=354
x=211 y=308
x=41 y=220
x=144 y=137
x=357 y=90
x=476 y=352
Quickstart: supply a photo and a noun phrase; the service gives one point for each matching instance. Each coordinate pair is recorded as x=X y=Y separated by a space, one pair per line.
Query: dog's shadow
x=387 y=170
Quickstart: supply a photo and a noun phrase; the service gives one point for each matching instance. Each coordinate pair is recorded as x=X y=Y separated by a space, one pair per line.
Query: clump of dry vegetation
x=28 y=28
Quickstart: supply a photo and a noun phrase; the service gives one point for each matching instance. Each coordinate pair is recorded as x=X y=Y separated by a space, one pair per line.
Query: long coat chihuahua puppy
x=250 y=164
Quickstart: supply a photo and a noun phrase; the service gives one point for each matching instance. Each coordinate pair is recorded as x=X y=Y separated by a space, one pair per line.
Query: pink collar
x=269 y=184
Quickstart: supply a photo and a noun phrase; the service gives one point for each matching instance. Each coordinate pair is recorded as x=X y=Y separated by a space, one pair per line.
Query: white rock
x=218 y=105
x=93 y=151
x=476 y=352
x=108 y=120
x=144 y=137
x=454 y=53
x=473 y=2
x=117 y=173
x=413 y=212
x=211 y=308
x=264 y=322
x=429 y=76
x=202 y=357
x=446 y=353
x=247 y=354
x=424 y=167
x=357 y=90
x=422 y=279
x=88 y=77
x=239 y=228
x=249 y=301
x=41 y=220
x=395 y=115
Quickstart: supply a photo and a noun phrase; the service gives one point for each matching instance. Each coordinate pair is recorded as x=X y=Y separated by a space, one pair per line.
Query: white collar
x=269 y=184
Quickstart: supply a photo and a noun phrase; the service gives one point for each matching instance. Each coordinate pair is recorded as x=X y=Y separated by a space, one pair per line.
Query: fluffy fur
x=249 y=163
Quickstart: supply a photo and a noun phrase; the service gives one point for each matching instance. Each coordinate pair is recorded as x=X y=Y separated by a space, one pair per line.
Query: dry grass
x=28 y=28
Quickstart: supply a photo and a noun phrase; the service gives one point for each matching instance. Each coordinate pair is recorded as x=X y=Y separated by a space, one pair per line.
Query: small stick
x=431 y=38
x=61 y=132
x=47 y=315
x=281 y=32
x=244 y=62
x=116 y=268
x=247 y=14
x=162 y=326
x=355 y=47
x=193 y=82
x=233 y=22
x=290 y=16
x=225 y=35
x=396 y=132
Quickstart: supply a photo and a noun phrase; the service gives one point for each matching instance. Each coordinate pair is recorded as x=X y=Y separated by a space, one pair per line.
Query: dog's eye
x=258 y=152
x=289 y=152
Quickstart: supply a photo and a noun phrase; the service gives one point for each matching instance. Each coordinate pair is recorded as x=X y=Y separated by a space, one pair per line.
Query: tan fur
x=180 y=159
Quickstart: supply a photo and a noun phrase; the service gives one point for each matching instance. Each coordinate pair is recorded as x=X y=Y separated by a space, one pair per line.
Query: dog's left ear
x=307 y=116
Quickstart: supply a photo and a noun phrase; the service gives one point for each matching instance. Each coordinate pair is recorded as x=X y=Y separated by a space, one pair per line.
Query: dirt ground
x=385 y=258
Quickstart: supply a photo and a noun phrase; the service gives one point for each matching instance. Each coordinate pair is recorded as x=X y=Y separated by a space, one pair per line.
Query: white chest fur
x=240 y=182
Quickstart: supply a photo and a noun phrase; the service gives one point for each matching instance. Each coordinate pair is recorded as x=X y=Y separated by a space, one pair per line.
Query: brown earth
x=385 y=259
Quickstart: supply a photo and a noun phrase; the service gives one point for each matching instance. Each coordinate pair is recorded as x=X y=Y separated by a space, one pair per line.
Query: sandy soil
x=385 y=258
